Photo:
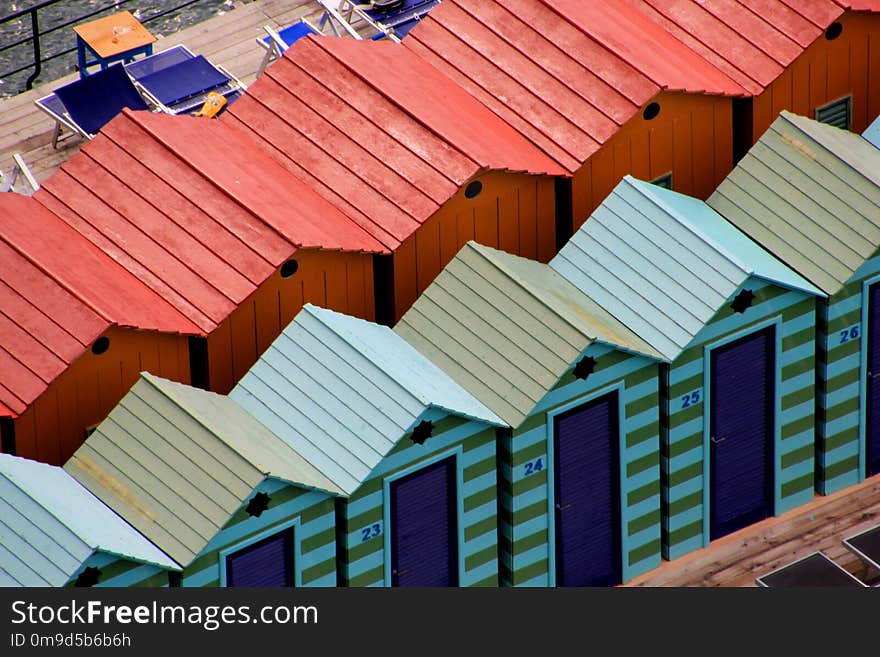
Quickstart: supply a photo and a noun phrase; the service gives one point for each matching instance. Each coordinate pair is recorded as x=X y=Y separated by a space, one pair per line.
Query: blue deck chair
x=140 y=68
x=275 y=43
x=183 y=87
x=84 y=106
x=392 y=19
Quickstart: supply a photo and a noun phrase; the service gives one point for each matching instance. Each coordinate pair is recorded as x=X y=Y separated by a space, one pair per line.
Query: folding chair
x=143 y=67
x=275 y=43
x=814 y=570
x=19 y=170
x=184 y=86
x=84 y=106
x=392 y=19
x=332 y=16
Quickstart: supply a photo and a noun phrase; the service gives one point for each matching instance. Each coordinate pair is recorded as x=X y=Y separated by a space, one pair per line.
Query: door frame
x=457 y=453
x=776 y=324
x=259 y=536
x=863 y=375
x=616 y=387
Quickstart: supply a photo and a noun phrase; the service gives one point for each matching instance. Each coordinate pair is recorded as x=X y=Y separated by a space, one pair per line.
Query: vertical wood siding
x=364 y=546
x=513 y=212
x=683 y=463
x=692 y=138
x=525 y=490
x=55 y=424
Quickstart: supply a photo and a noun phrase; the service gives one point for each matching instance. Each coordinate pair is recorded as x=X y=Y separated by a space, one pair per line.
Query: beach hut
x=738 y=328
x=580 y=466
x=75 y=330
x=54 y=532
x=414 y=454
x=218 y=229
x=810 y=194
x=209 y=485
x=405 y=152
x=599 y=87
x=815 y=57
x=872 y=132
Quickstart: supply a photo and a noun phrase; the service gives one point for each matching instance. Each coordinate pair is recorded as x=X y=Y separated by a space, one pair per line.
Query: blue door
x=268 y=562
x=424 y=534
x=587 y=494
x=741 y=432
x=872 y=433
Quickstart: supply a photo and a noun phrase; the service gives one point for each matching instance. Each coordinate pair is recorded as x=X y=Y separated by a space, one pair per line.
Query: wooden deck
x=737 y=559
x=228 y=40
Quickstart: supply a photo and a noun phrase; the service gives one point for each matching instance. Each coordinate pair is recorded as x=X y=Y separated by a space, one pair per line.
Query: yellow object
x=213 y=104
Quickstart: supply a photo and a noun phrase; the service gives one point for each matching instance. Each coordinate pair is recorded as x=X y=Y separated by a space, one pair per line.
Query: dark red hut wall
x=827 y=71
x=54 y=426
x=691 y=138
x=337 y=280
x=513 y=212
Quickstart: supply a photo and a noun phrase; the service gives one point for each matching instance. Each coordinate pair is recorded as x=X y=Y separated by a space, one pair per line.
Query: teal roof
x=342 y=392
x=872 y=132
x=663 y=263
x=50 y=525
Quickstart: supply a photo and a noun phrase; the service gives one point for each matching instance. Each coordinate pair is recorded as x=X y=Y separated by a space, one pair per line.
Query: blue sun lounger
x=814 y=570
x=183 y=86
x=276 y=42
x=84 y=106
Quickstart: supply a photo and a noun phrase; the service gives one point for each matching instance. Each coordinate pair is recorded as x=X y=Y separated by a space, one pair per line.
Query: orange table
x=118 y=37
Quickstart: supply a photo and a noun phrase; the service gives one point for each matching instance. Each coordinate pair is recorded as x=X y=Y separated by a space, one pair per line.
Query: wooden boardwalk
x=737 y=559
x=228 y=40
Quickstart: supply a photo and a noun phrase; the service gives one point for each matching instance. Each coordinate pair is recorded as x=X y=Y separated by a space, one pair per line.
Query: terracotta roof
x=378 y=132
x=189 y=207
x=58 y=293
x=752 y=41
x=562 y=73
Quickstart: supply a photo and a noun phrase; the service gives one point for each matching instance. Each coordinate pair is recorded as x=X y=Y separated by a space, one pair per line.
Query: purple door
x=872 y=433
x=587 y=489
x=424 y=533
x=741 y=432
x=268 y=562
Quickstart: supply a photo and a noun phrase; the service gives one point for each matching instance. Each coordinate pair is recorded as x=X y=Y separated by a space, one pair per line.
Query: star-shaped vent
x=742 y=301
x=422 y=432
x=585 y=366
x=258 y=504
x=88 y=577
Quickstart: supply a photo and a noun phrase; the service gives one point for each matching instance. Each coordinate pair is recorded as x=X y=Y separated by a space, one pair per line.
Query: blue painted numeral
x=534 y=466
x=690 y=399
x=852 y=333
x=371 y=532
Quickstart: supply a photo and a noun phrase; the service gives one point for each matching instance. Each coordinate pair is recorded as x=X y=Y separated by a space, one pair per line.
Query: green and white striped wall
x=841 y=356
x=685 y=443
x=119 y=573
x=527 y=550
x=365 y=550
x=311 y=515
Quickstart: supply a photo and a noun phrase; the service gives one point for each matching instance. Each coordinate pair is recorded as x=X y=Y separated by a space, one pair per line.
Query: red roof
x=43 y=326
x=562 y=73
x=860 y=5
x=379 y=133
x=752 y=41
x=185 y=205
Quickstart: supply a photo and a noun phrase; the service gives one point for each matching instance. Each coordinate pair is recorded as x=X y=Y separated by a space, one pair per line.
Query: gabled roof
x=810 y=193
x=50 y=525
x=752 y=42
x=343 y=391
x=378 y=132
x=566 y=74
x=58 y=292
x=664 y=263
x=507 y=328
x=193 y=209
x=177 y=462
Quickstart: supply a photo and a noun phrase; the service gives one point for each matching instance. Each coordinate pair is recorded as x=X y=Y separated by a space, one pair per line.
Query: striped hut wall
x=312 y=515
x=365 y=550
x=527 y=553
x=121 y=573
x=839 y=457
x=685 y=520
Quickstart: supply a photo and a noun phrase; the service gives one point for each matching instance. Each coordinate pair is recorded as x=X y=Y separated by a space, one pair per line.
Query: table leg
x=81 y=57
